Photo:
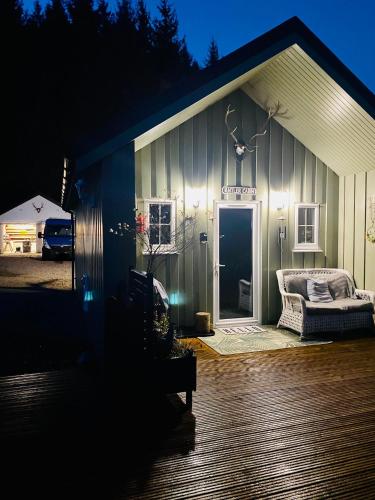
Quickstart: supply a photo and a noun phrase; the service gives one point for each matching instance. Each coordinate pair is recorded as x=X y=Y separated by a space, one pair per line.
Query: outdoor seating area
x=308 y=310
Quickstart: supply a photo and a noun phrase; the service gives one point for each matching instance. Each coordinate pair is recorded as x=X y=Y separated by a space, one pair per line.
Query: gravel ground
x=30 y=271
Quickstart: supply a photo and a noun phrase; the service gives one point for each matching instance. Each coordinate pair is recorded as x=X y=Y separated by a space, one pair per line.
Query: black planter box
x=172 y=375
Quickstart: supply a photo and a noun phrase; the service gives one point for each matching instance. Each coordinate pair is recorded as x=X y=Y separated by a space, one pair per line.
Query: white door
x=237 y=265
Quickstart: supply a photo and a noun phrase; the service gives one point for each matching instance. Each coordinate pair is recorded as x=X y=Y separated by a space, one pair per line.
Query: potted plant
x=173 y=365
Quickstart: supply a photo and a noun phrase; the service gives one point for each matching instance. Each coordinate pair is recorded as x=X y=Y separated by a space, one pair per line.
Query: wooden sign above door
x=239 y=190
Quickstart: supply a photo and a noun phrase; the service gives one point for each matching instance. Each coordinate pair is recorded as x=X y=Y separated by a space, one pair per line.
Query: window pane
x=154 y=235
x=309 y=234
x=310 y=216
x=165 y=235
x=301 y=234
x=165 y=217
x=154 y=213
x=301 y=216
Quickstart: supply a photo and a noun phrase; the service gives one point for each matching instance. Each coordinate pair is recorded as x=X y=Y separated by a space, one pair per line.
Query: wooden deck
x=295 y=423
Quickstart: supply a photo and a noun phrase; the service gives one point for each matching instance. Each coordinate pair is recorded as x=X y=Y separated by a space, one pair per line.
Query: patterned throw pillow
x=296 y=284
x=338 y=286
x=318 y=291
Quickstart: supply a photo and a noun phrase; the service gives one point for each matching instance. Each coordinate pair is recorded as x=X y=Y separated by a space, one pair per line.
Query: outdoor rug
x=267 y=340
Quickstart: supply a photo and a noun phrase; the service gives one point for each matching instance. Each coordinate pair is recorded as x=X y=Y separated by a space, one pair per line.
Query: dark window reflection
x=160 y=220
x=154 y=235
x=235 y=253
x=154 y=214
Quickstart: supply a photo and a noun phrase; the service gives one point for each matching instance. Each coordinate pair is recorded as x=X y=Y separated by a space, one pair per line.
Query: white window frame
x=307 y=247
x=171 y=247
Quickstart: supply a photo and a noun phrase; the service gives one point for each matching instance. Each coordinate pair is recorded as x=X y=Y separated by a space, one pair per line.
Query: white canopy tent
x=20 y=225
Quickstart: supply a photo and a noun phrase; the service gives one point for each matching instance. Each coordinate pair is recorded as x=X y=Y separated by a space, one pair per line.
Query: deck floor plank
x=294 y=423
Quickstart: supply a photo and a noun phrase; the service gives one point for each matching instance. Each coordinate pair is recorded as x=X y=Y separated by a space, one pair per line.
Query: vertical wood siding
x=199 y=153
x=356 y=253
x=89 y=234
x=118 y=182
x=108 y=199
x=89 y=254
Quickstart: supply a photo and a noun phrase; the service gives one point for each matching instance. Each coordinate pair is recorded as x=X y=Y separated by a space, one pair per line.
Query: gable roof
x=329 y=109
x=26 y=213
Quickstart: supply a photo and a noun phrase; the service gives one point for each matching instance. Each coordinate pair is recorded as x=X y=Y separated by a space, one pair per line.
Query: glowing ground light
x=175 y=299
x=88 y=296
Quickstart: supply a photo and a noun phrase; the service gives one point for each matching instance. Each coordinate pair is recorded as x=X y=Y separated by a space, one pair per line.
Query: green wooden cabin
x=299 y=199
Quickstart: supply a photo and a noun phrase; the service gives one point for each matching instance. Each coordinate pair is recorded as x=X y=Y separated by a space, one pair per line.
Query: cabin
x=264 y=161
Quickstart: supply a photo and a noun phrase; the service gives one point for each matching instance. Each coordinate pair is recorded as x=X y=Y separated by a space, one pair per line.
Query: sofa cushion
x=318 y=291
x=339 y=306
x=338 y=286
x=296 y=284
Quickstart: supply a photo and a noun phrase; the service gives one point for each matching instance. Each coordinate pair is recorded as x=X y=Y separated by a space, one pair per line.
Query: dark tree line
x=70 y=66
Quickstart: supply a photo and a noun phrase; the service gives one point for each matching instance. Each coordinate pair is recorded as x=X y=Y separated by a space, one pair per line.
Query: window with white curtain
x=306 y=237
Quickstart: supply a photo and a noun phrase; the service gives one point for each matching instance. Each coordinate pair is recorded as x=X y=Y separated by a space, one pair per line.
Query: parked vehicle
x=57 y=239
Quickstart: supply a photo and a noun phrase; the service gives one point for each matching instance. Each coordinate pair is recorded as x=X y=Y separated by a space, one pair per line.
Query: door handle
x=217 y=267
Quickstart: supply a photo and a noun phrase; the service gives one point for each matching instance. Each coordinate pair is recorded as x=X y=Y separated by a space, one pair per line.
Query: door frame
x=257 y=264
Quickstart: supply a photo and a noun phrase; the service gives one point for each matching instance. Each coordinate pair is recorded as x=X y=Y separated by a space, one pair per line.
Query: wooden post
x=202 y=322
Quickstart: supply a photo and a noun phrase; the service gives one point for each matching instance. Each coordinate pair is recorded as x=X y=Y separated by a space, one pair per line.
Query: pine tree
x=36 y=18
x=166 y=43
x=213 y=53
x=172 y=57
x=13 y=83
x=56 y=16
x=166 y=27
x=104 y=18
x=144 y=27
x=124 y=29
x=125 y=50
x=125 y=15
x=84 y=20
x=57 y=37
x=11 y=14
x=188 y=63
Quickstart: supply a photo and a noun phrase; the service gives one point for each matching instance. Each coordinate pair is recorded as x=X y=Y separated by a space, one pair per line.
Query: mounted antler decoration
x=38 y=209
x=240 y=146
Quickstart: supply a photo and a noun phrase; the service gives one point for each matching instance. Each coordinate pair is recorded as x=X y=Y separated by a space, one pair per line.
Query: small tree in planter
x=182 y=237
x=164 y=343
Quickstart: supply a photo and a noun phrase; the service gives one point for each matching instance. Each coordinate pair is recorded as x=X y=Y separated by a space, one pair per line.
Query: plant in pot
x=173 y=364
x=166 y=346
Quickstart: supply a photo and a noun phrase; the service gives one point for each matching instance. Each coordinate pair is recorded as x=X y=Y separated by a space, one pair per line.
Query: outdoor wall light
x=195 y=197
x=282 y=228
x=279 y=200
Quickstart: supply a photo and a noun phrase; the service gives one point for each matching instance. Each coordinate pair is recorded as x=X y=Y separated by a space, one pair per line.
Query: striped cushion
x=338 y=286
x=296 y=284
x=318 y=291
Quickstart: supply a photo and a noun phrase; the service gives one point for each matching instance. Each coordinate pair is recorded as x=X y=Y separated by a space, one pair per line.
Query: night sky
x=345 y=26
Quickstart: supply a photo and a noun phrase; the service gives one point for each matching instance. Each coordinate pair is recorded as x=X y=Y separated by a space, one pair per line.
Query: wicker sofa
x=350 y=309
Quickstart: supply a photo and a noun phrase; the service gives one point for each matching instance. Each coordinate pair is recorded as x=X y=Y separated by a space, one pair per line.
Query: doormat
x=242 y=329
x=268 y=340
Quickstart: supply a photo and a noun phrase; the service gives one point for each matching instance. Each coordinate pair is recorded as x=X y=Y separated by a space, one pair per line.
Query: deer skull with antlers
x=240 y=146
x=38 y=209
